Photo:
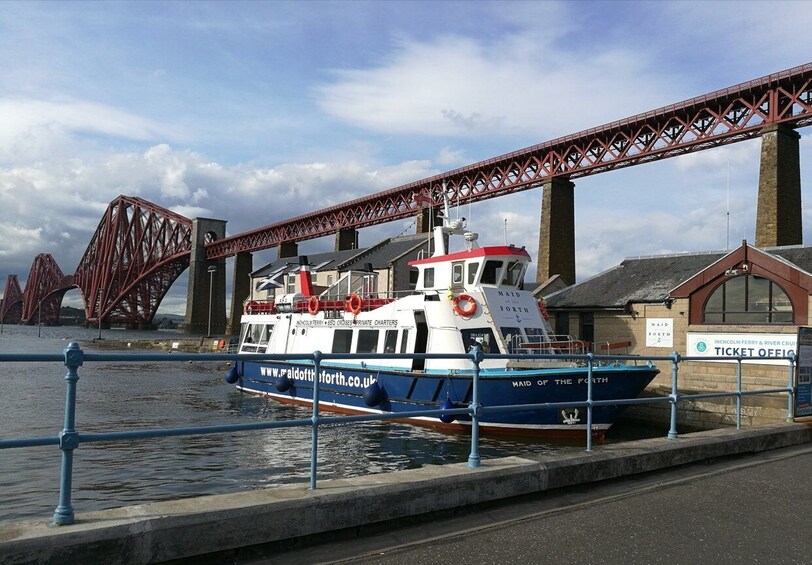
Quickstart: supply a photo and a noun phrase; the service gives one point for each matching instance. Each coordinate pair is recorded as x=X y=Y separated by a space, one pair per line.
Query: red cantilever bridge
x=139 y=249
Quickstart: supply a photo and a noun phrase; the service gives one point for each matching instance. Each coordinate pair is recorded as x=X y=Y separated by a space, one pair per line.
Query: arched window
x=748 y=299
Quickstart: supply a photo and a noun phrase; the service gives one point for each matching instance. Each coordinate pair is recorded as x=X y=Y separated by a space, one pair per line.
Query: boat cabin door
x=457 y=276
x=420 y=340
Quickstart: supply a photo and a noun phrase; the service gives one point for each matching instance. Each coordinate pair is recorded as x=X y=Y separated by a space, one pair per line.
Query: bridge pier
x=346 y=239
x=205 y=286
x=778 y=216
x=288 y=249
x=240 y=289
x=557 y=235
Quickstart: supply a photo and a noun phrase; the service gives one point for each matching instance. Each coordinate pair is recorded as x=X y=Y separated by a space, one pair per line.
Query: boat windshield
x=513 y=273
x=483 y=337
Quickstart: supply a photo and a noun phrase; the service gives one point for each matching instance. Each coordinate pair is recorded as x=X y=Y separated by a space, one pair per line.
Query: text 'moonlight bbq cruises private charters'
x=461 y=299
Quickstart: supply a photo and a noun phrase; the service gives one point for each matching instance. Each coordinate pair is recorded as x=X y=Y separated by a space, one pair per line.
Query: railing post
x=791 y=395
x=314 y=445
x=739 y=393
x=674 y=396
x=68 y=438
x=590 y=359
x=473 y=459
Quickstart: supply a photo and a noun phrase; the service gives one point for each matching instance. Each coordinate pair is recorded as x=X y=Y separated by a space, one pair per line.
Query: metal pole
x=211 y=270
x=590 y=359
x=314 y=445
x=68 y=438
x=674 y=396
x=790 y=397
x=39 y=319
x=739 y=393
x=473 y=459
x=99 y=311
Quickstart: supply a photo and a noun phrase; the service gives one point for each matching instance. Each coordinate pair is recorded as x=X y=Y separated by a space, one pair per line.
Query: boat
x=463 y=299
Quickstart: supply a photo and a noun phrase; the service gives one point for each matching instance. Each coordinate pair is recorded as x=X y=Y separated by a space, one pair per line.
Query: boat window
x=512 y=337
x=390 y=341
x=256 y=336
x=404 y=341
x=367 y=341
x=342 y=339
x=483 y=337
x=414 y=274
x=472 y=269
x=456 y=273
x=513 y=273
x=490 y=273
x=428 y=278
x=291 y=286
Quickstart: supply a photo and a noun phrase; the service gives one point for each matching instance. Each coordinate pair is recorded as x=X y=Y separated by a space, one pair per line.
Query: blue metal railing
x=74 y=357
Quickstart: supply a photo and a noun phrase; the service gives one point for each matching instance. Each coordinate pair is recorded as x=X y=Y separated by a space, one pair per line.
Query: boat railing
x=564 y=345
x=70 y=438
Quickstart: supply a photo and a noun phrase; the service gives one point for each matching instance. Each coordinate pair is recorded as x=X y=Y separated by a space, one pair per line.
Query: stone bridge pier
x=206 y=292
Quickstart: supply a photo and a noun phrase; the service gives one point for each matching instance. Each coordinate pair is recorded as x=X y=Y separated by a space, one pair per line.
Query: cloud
x=37 y=129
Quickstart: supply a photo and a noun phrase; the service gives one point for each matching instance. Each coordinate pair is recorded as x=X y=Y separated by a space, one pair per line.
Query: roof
x=652 y=278
x=333 y=259
x=383 y=254
x=380 y=255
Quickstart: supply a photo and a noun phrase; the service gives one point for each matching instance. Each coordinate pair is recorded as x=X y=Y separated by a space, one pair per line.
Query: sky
x=255 y=112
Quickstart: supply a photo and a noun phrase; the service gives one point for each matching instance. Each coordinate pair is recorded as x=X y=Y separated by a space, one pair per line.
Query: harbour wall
x=223 y=526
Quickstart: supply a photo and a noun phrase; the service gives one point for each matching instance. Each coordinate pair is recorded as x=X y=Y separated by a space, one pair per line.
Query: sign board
x=769 y=348
x=660 y=332
x=803 y=373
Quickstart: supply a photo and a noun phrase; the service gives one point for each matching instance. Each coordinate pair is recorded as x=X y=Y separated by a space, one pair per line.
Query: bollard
x=791 y=387
x=314 y=444
x=739 y=393
x=590 y=359
x=473 y=459
x=674 y=396
x=68 y=438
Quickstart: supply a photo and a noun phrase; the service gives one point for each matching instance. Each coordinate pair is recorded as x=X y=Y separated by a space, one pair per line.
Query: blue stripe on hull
x=341 y=389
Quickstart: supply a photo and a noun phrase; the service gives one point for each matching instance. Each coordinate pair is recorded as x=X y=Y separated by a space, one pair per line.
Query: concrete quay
x=229 y=528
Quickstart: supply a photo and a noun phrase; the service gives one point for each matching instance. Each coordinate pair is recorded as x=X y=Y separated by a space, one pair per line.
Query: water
x=117 y=396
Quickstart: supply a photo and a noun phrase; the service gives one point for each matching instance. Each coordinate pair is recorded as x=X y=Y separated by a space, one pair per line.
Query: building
x=747 y=302
x=387 y=260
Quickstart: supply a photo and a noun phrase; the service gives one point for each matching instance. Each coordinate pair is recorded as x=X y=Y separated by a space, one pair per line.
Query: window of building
x=562 y=323
x=748 y=299
x=587 y=327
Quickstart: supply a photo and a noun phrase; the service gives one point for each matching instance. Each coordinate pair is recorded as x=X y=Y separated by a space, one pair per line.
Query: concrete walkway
x=223 y=526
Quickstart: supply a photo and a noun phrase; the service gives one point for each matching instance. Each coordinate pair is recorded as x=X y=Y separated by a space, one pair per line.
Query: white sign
x=659 y=332
x=767 y=347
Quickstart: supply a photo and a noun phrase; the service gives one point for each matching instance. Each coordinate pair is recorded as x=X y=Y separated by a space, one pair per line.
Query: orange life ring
x=354 y=304
x=467 y=311
x=543 y=310
x=313 y=305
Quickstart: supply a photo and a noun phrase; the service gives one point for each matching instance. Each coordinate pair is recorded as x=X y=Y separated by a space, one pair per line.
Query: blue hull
x=357 y=390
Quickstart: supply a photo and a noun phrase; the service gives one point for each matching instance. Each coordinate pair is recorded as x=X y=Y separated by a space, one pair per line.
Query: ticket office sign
x=803 y=373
